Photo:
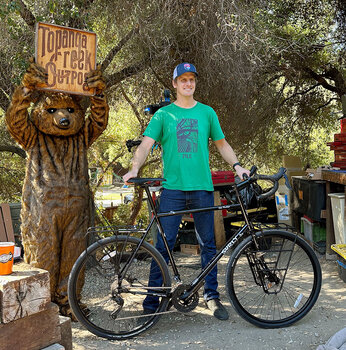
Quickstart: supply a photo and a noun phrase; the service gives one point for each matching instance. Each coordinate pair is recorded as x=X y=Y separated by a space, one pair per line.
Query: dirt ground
x=200 y=330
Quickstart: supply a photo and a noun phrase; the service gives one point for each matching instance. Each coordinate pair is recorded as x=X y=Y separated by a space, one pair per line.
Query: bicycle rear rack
x=96 y=233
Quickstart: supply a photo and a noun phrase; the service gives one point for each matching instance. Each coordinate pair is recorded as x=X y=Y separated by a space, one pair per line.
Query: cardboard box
x=292 y=162
x=190 y=249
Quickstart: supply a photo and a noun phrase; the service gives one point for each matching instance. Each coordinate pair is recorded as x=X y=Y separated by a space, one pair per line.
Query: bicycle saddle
x=145 y=180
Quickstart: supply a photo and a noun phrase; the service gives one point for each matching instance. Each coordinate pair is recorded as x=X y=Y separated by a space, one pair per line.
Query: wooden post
x=66 y=332
x=6 y=228
x=219 y=228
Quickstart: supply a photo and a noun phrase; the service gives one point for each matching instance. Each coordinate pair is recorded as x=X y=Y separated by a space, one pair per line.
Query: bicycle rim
x=274 y=302
x=106 y=307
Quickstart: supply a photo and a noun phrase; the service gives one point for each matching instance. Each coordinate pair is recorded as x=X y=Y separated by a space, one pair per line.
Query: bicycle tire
x=93 y=282
x=296 y=290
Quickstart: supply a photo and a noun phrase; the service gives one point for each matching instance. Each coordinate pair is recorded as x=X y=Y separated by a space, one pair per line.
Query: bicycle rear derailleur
x=184 y=305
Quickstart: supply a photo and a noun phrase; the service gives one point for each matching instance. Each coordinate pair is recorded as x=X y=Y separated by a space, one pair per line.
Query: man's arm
x=229 y=156
x=139 y=158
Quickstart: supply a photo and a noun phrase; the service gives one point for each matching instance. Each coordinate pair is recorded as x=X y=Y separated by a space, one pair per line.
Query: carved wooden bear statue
x=55 y=201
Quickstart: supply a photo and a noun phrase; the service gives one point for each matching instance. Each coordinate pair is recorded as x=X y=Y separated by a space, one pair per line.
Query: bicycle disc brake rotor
x=186 y=305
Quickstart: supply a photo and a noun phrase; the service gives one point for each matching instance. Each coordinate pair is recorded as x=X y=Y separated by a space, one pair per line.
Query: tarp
x=336 y=342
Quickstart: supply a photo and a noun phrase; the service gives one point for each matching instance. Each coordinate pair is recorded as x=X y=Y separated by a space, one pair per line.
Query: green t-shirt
x=184 y=136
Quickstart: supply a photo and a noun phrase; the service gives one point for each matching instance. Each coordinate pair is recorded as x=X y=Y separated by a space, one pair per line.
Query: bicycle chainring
x=184 y=305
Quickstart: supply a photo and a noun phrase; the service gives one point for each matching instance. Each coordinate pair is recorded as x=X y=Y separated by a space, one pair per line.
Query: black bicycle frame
x=199 y=280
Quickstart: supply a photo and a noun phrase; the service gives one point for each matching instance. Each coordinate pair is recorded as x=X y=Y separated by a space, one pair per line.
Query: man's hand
x=241 y=171
x=139 y=158
x=229 y=156
x=132 y=173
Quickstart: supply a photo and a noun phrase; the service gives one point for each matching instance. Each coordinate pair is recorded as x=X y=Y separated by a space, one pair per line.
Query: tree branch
x=127 y=72
x=323 y=82
x=327 y=103
x=299 y=93
x=107 y=167
x=4 y=101
x=134 y=109
x=106 y=62
x=80 y=21
x=13 y=149
x=26 y=14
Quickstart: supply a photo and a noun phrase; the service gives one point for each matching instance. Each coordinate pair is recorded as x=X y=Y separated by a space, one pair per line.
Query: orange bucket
x=6 y=257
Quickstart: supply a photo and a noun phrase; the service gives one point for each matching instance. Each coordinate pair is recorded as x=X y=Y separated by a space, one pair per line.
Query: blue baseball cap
x=184 y=68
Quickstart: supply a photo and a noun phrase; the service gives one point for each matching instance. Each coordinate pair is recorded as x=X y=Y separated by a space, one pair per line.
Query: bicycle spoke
x=287 y=267
x=109 y=304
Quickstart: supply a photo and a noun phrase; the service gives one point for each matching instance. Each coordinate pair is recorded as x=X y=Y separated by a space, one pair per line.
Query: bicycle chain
x=184 y=305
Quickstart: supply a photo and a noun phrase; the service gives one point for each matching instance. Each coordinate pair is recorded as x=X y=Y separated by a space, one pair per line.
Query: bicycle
x=273 y=276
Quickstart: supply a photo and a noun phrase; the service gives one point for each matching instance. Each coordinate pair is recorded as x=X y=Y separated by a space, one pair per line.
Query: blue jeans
x=204 y=227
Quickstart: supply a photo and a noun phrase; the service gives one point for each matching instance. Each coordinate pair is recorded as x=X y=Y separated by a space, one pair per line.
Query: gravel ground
x=200 y=330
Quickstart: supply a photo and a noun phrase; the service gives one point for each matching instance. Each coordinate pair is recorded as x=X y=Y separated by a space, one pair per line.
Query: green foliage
x=12 y=171
x=274 y=70
x=123 y=213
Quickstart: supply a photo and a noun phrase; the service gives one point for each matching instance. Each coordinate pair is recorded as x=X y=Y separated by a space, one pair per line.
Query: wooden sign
x=67 y=54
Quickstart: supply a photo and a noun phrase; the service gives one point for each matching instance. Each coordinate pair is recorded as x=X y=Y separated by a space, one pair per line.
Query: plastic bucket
x=338 y=207
x=6 y=257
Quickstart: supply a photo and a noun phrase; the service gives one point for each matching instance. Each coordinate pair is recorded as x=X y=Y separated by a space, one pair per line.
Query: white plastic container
x=338 y=207
x=283 y=205
x=308 y=228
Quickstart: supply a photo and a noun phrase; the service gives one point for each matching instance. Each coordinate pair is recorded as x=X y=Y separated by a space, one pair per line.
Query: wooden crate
x=190 y=249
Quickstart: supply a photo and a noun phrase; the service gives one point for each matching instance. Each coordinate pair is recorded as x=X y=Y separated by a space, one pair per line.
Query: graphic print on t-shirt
x=187 y=136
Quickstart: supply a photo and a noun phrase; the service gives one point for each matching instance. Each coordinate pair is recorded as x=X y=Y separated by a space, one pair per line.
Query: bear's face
x=58 y=114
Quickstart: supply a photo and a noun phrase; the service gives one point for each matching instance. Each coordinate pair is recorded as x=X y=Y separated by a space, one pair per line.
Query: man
x=183 y=128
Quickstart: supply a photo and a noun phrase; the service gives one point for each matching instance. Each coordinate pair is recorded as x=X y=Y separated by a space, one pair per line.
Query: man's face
x=185 y=84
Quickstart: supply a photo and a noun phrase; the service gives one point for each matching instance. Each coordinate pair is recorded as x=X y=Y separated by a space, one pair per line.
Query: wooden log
x=66 y=332
x=25 y=292
x=33 y=332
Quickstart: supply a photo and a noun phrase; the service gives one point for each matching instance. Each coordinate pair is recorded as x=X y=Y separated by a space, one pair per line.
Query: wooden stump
x=23 y=293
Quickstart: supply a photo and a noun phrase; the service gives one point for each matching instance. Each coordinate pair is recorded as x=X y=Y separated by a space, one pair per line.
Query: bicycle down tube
x=197 y=283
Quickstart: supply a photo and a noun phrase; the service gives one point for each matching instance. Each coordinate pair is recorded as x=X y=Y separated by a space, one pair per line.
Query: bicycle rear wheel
x=276 y=285
x=107 y=305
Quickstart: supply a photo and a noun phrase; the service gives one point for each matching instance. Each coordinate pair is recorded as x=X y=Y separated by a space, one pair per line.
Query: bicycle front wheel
x=109 y=282
x=276 y=285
